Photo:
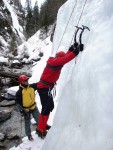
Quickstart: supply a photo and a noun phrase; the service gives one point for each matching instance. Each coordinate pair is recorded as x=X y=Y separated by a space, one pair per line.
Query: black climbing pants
x=46 y=100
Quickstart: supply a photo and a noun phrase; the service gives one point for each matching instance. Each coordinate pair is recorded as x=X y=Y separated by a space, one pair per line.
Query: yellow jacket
x=26 y=97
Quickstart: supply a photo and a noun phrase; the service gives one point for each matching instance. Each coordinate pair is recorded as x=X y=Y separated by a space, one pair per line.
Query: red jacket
x=53 y=68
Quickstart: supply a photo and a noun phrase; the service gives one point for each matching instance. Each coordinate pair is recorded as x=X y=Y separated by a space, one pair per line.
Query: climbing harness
x=47 y=83
x=30 y=106
x=54 y=91
x=53 y=88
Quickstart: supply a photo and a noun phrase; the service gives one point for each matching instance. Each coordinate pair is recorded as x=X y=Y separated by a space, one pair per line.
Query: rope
x=79 y=18
x=77 y=25
x=69 y=20
x=81 y=12
x=20 y=132
x=67 y=25
x=21 y=129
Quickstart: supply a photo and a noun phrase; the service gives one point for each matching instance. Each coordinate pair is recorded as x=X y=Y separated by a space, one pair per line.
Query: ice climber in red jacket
x=47 y=81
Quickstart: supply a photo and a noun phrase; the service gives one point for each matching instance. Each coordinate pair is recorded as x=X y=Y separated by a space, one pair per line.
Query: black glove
x=74 y=49
x=75 y=45
x=22 y=112
x=81 y=47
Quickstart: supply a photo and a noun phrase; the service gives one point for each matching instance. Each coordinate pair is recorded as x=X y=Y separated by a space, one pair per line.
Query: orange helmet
x=60 y=54
x=22 y=78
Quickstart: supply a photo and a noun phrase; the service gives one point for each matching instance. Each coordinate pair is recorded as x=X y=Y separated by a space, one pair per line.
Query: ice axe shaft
x=83 y=28
x=75 y=38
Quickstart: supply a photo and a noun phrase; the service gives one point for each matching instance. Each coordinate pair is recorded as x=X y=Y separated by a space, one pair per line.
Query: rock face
x=2 y=137
x=7 y=30
x=2 y=146
x=6 y=103
x=12 y=136
x=12 y=129
x=4 y=115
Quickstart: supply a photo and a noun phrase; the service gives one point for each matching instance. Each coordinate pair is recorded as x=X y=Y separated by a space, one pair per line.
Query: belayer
x=25 y=100
x=47 y=81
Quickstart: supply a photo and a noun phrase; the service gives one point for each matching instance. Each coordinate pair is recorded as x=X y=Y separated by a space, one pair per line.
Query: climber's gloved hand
x=22 y=112
x=75 y=45
x=81 y=47
x=74 y=48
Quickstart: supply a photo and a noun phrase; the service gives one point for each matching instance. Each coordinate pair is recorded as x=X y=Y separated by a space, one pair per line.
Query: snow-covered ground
x=2 y=59
x=30 y=145
x=84 y=116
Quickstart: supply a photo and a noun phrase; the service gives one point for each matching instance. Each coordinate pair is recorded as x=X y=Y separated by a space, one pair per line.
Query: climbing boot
x=30 y=138
x=48 y=127
x=41 y=134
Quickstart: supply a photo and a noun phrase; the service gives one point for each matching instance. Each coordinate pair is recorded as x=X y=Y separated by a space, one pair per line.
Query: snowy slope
x=34 y=45
x=30 y=145
x=11 y=16
x=16 y=24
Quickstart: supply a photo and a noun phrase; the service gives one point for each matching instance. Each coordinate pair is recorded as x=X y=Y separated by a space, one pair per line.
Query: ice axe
x=75 y=38
x=80 y=37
